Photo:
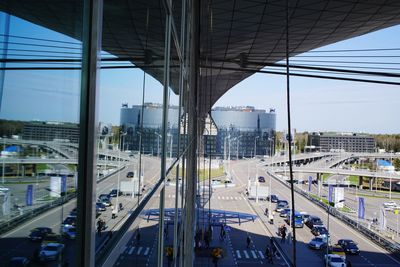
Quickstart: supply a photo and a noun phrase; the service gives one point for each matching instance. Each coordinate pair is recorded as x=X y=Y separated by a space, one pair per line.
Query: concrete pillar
x=371 y=183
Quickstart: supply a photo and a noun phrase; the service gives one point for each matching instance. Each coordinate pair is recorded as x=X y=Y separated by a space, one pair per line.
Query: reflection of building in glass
x=350 y=142
x=243 y=129
x=51 y=131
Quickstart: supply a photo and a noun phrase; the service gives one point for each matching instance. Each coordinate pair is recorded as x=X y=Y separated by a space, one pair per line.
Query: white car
x=51 y=251
x=389 y=205
x=333 y=260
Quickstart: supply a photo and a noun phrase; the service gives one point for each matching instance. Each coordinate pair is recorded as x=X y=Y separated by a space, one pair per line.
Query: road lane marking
x=131 y=250
x=146 y=251
x=238 y=254
x=139 y=250
x=246 y=254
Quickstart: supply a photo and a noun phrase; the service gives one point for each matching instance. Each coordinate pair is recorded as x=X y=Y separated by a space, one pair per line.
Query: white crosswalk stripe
x=140 y=250
x=254 y=254
x=246 y=254
x=261 y=254
x=238 y=254
x=219 y=197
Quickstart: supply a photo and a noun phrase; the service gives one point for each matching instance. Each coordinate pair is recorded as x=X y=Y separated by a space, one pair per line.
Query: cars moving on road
x=105 y=199
x=51 y=238
x=273 y=198
x=337 y=250
x=38 y=233
x=313 y=221
x=349 y=246
x=129 y=175
x=333 y=260
x=114 y=193
x=319 y=230
x=281 y=204
x=69 y=232
x=261 y=179
x=100 y=206
x=284 y=213
x=51 y=251
x=69 y=221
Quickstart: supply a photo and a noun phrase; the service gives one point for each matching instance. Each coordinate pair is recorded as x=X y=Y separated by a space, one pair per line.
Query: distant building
x=242 y=128
x=349 y=142
x=50 y=131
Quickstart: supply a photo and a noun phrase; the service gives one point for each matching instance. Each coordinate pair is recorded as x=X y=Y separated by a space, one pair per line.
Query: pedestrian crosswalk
x=249 y=254
x=225 y=198
x=138 y=251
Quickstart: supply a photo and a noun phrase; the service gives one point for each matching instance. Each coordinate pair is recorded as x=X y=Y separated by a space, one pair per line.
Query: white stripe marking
x=235 y=198
x=219 y=197
x=238 y=254
x=131 y=250
x=261 y=254
x=139 y=250
x=223 y=197
x=254 y=254
x=148 y=249
x=240 y=198
x=246 y=254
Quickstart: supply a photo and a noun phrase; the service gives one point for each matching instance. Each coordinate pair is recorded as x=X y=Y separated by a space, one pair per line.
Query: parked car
x=389 y=205
x=273 y=198
x=19 y=262
x=51 y=251
x=332 y=260
x=349 y=246
x=69 y=221
x=313 y=221
x=261 y=179
x=318 y=242
x=74 y=212
x=284 y=213
x=100 y=206
x=129 y=175
x=305 y=216
x=281 y=204
x=105 y=199
x=38 y=233
x=114 y=193
x=69 y=232
x=51 y=238
x=319 y=230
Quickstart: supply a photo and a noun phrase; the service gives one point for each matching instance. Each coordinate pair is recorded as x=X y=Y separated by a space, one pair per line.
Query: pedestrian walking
x=248 y=240
x=283 y=235
x=268 y=254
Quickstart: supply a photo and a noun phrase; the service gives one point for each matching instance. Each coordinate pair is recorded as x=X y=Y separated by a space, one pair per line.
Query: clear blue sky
x=317 y=104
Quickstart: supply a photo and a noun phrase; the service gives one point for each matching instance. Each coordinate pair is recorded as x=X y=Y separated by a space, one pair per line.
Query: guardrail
x=388 y=245
x=29 y=214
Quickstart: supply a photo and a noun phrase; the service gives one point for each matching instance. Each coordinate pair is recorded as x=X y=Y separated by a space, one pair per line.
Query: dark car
x=19 y=262
x=100 y=207
x=39 y=233
x=349 y=246
x=114 y=193
x=281 y=204
x=129 y=175
x=73 y=212
x=313 y=221
x=319 y=230
x=70 y=220
x=273 y=198
x=261 y=179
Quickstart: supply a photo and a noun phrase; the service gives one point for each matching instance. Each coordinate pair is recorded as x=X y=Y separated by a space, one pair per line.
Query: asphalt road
x=15 y=242
x=371 y=254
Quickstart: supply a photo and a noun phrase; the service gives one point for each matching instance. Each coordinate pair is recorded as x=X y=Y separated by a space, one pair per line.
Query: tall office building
x=236 y=131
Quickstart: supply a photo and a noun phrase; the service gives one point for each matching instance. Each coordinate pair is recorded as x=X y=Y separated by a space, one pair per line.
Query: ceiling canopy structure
x=232 y=33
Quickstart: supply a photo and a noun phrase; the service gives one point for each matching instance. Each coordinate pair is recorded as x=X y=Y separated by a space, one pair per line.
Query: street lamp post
x=327 y=236
x=3 y=169
x=158 y=144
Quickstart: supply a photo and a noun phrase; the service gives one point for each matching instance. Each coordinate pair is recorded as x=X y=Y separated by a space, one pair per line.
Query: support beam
x=190 y=222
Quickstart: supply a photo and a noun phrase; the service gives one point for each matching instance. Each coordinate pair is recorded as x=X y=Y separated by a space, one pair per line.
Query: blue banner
x=361 y=208
x=330 y=195
x=63 y=184
x=309 y=183
x=29 y=195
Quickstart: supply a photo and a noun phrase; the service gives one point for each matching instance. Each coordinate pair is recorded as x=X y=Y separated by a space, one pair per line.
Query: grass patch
x=353 y=179
x=203 y=173
x=325 y=176
x=345 y=209
x=40 y=167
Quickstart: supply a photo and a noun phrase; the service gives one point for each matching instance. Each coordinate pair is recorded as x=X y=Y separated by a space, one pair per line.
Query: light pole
x=225 y=154
x=4 y=149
